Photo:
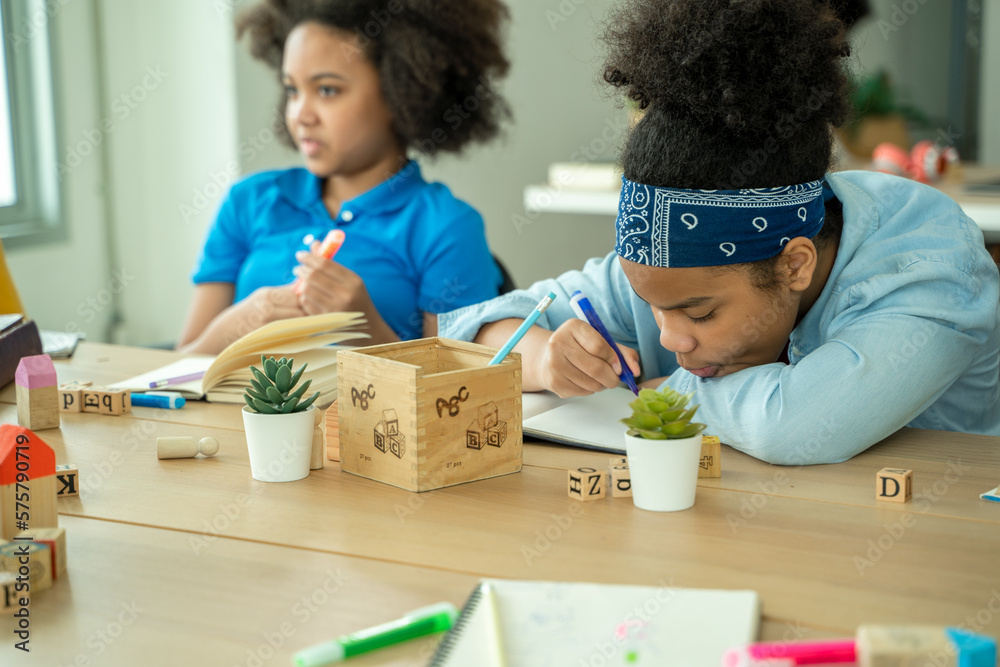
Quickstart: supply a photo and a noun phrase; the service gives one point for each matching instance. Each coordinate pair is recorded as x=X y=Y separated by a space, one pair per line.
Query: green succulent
x=271 y=392
x=662 y=415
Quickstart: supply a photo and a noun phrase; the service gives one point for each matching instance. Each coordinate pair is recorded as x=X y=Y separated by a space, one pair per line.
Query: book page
x=589 y=421
x=264 y=338
x=191 y=389
x=545 y=623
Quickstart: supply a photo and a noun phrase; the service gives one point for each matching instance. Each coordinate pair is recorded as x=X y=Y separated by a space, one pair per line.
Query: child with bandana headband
x=813 y=313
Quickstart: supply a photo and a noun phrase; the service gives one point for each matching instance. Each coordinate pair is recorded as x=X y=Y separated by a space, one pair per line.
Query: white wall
x=65 y=285
x=147 y=111
x=169 y=65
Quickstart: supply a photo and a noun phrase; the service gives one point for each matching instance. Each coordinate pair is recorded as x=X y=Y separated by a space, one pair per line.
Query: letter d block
x=621 y=482
x=586 y=484
x=894 y=484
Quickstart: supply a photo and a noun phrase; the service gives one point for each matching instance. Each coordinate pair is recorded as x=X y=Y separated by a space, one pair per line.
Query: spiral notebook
x=549 y=624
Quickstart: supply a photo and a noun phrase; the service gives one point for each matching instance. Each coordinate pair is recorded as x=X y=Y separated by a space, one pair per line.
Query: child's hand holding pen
x=577 y=361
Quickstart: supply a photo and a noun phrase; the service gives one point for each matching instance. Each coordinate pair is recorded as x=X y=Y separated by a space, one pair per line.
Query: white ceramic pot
x=664 y=473
x=280 y=446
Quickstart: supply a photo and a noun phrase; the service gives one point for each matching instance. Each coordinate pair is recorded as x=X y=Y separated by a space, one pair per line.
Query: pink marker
x=327 y=249
x=790 y=654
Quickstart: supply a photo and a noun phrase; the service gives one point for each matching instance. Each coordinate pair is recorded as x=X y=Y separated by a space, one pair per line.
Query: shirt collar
x=304 y=190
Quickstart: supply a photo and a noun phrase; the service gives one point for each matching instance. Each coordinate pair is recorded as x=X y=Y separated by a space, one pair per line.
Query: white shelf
x=984 y=210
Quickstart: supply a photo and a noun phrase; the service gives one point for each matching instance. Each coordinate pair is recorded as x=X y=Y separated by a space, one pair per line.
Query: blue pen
x=523 y=329
x=157 y=401
x=581 y=306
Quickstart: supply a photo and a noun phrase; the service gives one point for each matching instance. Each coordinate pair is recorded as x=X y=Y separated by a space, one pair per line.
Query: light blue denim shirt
x=906 y=332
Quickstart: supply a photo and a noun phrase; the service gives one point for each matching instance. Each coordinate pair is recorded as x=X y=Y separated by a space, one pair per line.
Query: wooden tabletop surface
x=217 y=561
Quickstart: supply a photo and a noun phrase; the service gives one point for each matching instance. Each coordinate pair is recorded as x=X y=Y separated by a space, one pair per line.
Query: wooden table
x=230 y=571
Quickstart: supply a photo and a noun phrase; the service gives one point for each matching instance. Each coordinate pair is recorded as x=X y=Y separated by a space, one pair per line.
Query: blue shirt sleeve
x=226 y=246
x=627 y=318
x=895 y=354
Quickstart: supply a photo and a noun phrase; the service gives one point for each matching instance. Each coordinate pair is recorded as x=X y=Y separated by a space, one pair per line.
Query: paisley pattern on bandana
x=671 y=227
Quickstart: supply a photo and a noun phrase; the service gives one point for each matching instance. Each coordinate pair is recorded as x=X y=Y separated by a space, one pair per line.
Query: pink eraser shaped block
x=35 y=371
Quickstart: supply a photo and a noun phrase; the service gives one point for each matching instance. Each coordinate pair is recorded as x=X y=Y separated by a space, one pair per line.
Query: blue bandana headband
x=671 y=227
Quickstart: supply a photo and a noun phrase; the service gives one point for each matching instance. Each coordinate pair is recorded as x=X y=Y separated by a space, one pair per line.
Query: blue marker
x=158 y=401
x=523 y=329
x=581 y=306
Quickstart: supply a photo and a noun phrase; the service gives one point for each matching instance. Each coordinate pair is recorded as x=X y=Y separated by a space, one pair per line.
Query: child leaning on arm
x=365 y=84
x=813 y=313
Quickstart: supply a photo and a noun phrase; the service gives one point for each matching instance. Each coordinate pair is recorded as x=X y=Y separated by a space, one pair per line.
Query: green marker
x=424 y=621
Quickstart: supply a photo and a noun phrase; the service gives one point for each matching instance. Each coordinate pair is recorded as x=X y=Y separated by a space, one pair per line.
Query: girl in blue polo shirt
x=813 y=313
x=364 y=83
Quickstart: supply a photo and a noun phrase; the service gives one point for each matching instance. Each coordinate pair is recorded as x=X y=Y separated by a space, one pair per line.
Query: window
x=29 y=181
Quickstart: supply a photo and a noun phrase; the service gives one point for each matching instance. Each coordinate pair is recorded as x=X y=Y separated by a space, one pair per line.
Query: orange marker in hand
x=327 y=249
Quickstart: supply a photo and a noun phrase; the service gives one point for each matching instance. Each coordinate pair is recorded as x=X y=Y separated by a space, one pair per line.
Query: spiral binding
x=448 y=642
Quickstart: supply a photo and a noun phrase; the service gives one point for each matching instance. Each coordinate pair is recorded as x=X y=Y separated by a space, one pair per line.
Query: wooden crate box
x=428 y=413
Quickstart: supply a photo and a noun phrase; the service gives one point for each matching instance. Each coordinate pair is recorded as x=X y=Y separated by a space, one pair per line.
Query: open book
x=307 y=339
x=588 y=421
x=539 y=623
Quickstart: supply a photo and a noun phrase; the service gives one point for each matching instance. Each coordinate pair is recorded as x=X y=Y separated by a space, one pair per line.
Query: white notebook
x=550 y=624
x=590 y=421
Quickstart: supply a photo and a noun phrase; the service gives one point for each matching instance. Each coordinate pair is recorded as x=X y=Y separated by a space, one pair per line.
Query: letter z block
x=586 y=484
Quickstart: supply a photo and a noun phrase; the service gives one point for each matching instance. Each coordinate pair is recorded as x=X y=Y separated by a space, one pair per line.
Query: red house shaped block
x=26 y=460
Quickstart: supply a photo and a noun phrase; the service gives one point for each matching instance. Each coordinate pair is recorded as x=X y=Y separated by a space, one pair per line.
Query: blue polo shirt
x=417 y=248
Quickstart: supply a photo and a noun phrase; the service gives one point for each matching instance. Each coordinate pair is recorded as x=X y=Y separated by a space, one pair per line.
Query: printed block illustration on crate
x=387 y=435
x=428 y=413
x=486 y=428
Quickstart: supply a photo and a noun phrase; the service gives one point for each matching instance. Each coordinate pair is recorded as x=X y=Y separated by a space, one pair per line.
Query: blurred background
x=125 y=121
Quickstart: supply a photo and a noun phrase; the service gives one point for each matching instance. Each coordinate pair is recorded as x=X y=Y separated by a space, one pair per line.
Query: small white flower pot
x=664 y=473
x=280 y=446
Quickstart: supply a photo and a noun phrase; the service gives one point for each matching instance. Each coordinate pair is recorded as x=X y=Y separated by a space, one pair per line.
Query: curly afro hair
x=436 y=60
x=737 y=93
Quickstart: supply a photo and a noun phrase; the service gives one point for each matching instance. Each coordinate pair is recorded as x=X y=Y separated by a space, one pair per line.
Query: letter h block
x=586 y=484
x=894 y=484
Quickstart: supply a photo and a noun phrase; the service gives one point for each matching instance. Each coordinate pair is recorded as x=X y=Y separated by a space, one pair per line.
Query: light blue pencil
x=523 y=329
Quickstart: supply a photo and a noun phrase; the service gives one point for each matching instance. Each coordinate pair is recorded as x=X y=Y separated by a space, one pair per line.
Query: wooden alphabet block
x=586 y=484
x=71 y=396
x=91 y=400
x=618 y=461
x=621 y=482
x=112 y=402
x=906 y=646
x=67 y=480
x=30 y=558
x=55 y=540
x=14 y=594
x=37 y=393
x=709 y=465
x=894 y=484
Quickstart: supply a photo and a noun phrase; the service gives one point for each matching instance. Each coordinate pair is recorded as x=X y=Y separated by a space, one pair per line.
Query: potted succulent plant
x=663 y=447
x=278 y=421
